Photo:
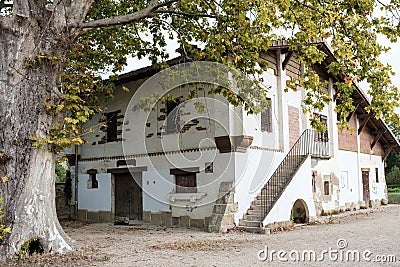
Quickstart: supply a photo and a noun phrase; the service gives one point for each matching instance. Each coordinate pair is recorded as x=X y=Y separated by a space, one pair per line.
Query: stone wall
x=63 y=207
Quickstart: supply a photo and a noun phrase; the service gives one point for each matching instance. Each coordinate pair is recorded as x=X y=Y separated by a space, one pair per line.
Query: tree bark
x=29 y=193
x=26 y=84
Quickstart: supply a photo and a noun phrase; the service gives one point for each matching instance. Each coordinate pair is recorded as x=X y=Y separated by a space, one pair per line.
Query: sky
x=393 y=58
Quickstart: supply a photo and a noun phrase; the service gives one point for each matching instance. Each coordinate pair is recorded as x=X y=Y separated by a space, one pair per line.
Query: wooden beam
x=391 y=144
x=364 y=123
x=364 y=116
x=352 y=113
x=377 y=137
x=387 y=152
x=287 y=59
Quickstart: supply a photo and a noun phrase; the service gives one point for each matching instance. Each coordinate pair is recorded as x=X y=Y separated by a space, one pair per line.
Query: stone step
x=256 y=207
x=274 y=186
x=253 y=217
x=249 y=223
x=254 y=212
x=258 y=200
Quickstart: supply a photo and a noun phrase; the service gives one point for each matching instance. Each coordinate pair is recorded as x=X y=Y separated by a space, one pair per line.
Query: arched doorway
x=300 y=212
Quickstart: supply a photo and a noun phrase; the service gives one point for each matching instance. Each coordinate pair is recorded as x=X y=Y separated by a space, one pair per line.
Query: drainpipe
x=76 y=182
x=280 y=86
x=359 y=173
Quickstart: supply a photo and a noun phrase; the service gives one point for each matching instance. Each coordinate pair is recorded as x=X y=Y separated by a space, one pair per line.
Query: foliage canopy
x=232 y=32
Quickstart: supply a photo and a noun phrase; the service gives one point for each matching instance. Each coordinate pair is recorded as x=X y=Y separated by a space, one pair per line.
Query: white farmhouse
x=217 y=167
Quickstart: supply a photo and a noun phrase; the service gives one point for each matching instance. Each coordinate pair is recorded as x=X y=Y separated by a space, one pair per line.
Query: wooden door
x=365 y=181
x=128 y=196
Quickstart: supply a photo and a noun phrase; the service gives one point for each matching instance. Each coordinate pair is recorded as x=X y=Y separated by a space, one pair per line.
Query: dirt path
x=375 y=230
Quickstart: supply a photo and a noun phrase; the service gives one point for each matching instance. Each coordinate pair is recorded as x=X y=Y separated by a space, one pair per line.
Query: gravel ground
x=374 y=234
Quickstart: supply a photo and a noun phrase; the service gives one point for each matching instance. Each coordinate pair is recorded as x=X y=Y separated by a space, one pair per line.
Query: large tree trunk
x=29 y=194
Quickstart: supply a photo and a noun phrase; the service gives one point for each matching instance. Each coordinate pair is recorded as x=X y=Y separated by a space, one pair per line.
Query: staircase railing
x=311 y=143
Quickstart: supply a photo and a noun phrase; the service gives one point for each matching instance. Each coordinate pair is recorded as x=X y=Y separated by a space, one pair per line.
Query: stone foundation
x=95 y=216
x=164 y=218
x=356 y=206
x=223 y=215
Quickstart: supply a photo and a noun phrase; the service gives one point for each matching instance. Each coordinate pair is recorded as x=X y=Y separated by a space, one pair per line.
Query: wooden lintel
x=363 y=124
x=377 y=137
x=387 y=152
x=287 y=59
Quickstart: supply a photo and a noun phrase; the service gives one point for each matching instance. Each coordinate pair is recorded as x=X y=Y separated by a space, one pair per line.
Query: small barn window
x=326 y=188
x=186 y=183
x=112 y=128
x=92 y=181
x=266 y=118
x=173 y=116
x=377 y=175
x=209 y=167
x=314 y=186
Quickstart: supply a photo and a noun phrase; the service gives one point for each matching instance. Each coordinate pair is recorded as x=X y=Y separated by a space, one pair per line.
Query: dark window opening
x=92 y=181
x=314 y=187
x=266 y=118
x=173 y=116
x=209 y=167
x=186 y=183
x=322 y=136
x=326 y=188
x=377 y=175
x=112 y=128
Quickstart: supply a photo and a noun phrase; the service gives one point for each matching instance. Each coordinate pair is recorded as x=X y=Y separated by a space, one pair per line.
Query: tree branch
x=76 y=11
x=194 y=15
x=147 y=12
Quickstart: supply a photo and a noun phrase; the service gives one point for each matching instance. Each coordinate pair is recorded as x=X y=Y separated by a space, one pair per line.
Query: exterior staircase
x=309 y=143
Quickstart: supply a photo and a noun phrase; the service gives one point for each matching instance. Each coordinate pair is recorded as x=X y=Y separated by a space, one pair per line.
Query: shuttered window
x=266 y=118
x=112 y=128
x=186 y=183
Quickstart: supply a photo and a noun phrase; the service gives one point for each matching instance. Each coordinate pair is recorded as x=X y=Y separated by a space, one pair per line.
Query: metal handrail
x=311 y=143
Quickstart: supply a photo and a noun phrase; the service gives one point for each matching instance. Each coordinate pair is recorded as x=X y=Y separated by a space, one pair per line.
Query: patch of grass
x=394 y=197
x=394 y=189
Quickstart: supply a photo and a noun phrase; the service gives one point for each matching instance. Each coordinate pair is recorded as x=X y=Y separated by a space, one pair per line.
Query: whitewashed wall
x=299 y=188
x=349 y=177
x=95 y=199
x=252 y=172
x=371 y=161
